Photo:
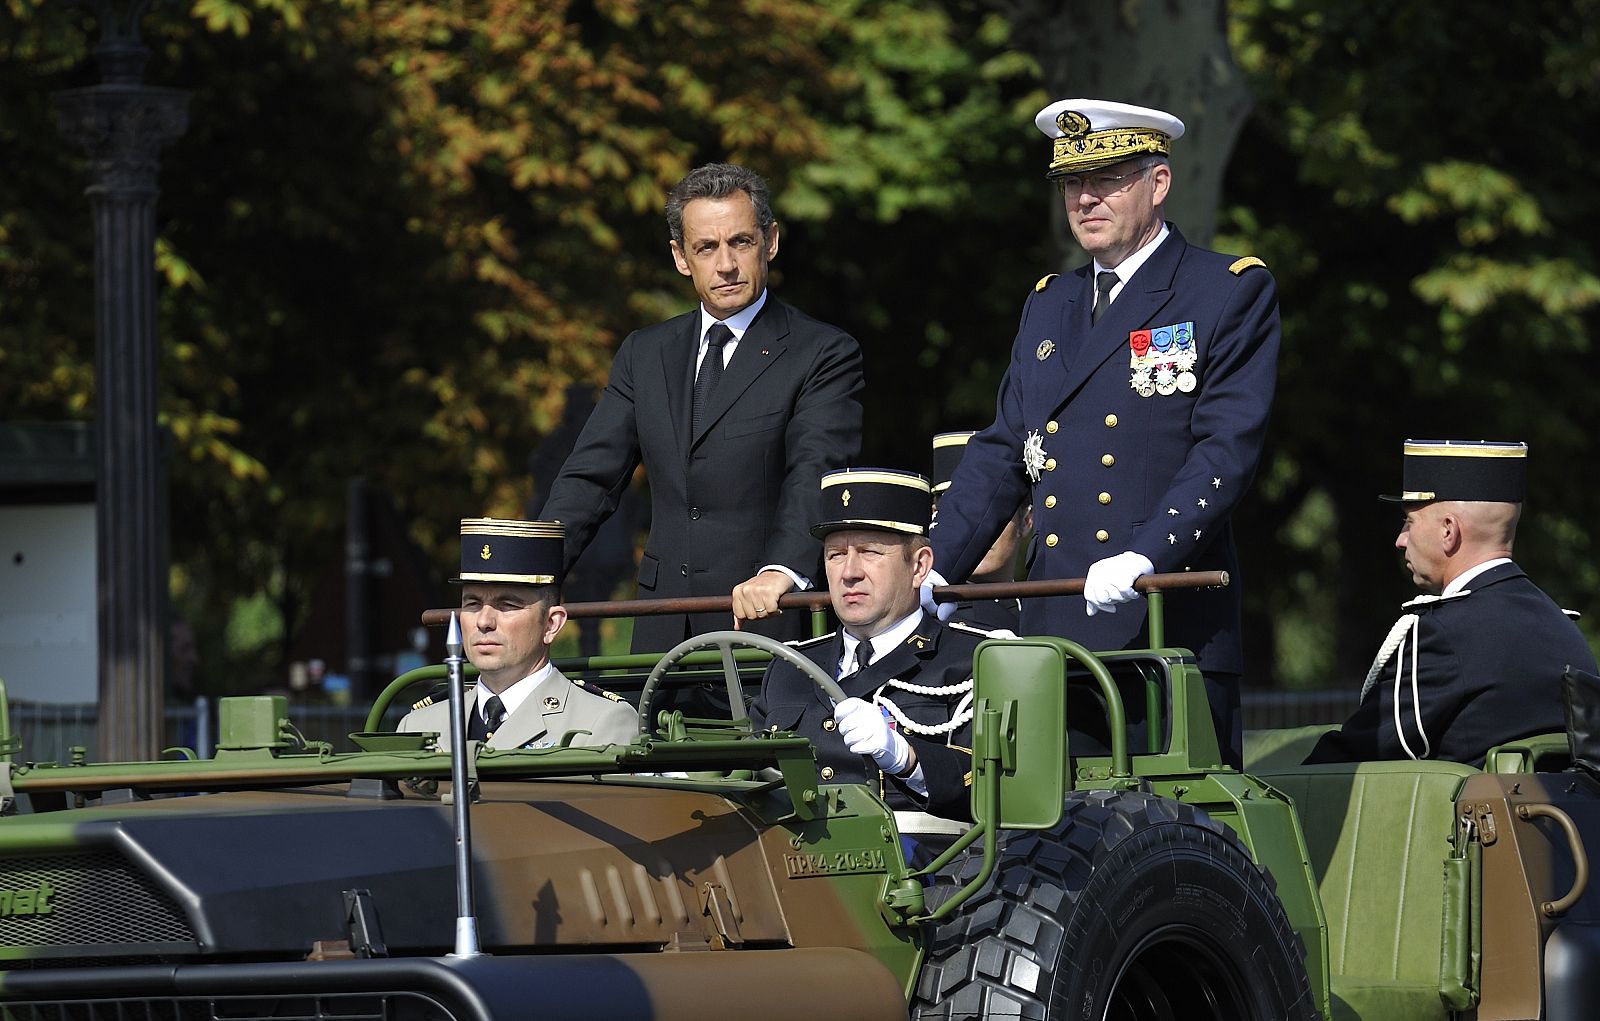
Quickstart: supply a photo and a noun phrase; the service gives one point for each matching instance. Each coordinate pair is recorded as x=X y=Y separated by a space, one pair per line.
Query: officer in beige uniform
x=510 y=613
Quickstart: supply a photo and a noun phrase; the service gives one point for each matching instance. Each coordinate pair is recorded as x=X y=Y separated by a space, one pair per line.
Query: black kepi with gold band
x=947 y=451
x=1472 y=470
x=1087 y=134
x=513 y=552
x=875 y=498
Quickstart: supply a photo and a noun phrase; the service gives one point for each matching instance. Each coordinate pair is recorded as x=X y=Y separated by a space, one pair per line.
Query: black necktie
x=863 y=657
x=1103 y=283
x=483 y=725
x=705 y=380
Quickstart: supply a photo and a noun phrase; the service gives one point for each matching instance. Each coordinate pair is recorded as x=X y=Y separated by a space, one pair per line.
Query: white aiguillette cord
x=1395 y=642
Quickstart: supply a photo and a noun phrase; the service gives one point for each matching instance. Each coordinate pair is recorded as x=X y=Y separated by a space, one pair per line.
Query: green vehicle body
x=281 y=879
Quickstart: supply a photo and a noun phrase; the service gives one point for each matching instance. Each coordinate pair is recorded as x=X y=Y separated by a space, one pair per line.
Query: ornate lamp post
x=122 y=125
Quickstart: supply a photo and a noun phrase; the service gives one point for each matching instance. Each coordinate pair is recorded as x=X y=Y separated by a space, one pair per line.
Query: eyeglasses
x=1102 y=185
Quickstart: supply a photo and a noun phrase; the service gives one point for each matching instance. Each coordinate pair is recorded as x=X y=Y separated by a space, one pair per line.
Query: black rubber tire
x=1134 y=908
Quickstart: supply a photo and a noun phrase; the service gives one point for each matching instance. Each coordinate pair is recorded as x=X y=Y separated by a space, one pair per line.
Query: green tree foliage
x=396 y=231
x=1416 y=178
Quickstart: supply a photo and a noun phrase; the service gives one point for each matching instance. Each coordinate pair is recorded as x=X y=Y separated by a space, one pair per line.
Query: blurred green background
x=398 y=236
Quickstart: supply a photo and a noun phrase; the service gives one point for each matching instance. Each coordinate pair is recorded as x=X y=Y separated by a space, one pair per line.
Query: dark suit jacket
x=1159 y=475
x=934 y=656
x=1489 y=666
x=739 y=494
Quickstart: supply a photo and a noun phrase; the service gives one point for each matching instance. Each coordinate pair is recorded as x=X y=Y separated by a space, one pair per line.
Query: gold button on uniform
x=827 y=724
x=1102 y=535
x=1111 y=421
x=1105 y=497
x=826 y=773
x=1049 y=464
x=1051 y=539
x=1049 y=501
x=1051 y=427
x=1107 y=460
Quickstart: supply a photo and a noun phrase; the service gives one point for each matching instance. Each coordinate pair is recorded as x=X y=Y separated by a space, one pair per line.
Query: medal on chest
x=1161 y=360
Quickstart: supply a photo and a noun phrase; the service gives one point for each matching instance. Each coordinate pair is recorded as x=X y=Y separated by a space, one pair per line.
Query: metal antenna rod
x=460 y=794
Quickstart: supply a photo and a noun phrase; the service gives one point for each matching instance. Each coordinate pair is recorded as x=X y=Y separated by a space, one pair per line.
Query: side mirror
x=1019 y=727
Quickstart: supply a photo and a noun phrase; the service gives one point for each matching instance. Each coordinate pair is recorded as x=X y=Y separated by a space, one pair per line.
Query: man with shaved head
x=1476 y=661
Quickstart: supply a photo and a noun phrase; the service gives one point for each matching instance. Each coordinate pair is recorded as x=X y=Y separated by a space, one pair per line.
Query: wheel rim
x=1177 y=973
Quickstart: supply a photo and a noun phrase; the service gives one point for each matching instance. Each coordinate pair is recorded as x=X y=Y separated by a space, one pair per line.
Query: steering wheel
x=724 y=641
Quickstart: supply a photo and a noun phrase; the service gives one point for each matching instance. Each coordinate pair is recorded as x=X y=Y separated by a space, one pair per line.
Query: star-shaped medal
x=1033 y=455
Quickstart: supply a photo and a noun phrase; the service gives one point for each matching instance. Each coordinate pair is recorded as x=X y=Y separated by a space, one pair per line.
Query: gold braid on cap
x=1079 y=149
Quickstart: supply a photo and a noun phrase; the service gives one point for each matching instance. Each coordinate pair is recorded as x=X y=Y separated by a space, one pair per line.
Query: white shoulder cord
x=963 y=711
x=1396 y=637
x=1416 y=696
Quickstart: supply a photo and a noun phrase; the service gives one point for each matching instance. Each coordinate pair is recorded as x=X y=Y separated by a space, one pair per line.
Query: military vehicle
x=1115 y=870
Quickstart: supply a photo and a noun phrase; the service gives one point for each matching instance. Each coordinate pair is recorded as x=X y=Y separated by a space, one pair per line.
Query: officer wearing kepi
x=1478 y=659
x=1132 y=412
x=510 y=613
x=1000 y=564
x=905 y=730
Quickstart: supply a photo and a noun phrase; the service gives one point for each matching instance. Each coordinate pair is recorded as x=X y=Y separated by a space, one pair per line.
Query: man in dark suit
x=735 y=409
x=1133 y=410
x=1478 y=660
x=905 y=730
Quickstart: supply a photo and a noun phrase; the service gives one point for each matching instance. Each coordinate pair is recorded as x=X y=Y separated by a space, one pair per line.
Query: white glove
x=866 y=732
x=941 y=610
x=1110 y=581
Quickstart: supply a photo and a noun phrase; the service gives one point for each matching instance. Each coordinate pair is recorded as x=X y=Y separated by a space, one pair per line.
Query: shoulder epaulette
x=423 y=703
x=1044 y=281
x=1240 y=265
x=595 y=688
x=806 y=643
x=1574 y=614
x=1429 y=600
x=999 y=632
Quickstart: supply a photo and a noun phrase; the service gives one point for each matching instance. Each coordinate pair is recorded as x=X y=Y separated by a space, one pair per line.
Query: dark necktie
x=863 y=657
x=705 y=380
x=483 y=725
x=1103 y=283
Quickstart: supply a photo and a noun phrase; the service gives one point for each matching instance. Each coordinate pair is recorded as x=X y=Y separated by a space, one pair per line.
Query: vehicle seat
x=1278 y=749
x=1377 y=834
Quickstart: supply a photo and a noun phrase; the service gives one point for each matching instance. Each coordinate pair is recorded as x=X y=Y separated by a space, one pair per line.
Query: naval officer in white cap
x=1133 y=410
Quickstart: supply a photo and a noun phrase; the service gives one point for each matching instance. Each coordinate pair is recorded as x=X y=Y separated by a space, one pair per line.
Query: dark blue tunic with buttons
x=936 y=658
x=1488 y=665
x=1157 y=474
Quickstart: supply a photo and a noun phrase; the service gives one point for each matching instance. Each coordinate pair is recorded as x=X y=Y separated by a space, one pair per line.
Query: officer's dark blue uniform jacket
x=1489 y=665
x=1159 y=475
x=934 y=656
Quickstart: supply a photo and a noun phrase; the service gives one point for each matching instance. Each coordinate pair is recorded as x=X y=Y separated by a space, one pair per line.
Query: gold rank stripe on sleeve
x=1044 y=281
x=1240 y=265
